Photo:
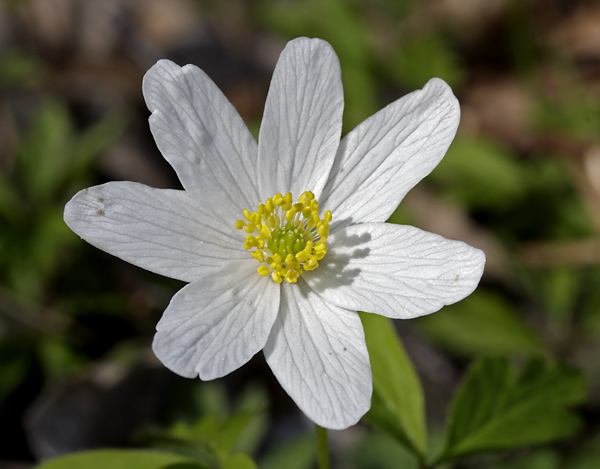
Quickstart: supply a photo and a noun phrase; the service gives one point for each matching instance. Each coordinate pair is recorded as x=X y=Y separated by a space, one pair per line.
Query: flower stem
x=322 y=448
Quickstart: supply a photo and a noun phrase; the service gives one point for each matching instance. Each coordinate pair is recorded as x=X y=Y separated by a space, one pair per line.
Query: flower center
x=288 y=238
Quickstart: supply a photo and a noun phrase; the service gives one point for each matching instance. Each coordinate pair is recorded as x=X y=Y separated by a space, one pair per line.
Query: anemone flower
x=281 y=242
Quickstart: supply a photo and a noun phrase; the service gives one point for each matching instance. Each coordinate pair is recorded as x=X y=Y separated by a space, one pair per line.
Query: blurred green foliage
x=484 y=323
x=496 y=408
x=60 y=318
x=220 y=433
x=51 y=159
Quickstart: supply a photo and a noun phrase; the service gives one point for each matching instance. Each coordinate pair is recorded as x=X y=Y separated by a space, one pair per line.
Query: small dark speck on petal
x=101 y=200
x=100 y=212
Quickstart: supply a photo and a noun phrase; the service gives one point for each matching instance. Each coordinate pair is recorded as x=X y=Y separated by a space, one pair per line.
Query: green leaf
x=482 y=323
x=558 y=289
x=10 y=201
x=498 y=408
x=410 y=70
x=45 y=151
x=587 y=454
x=20 y=69
x=239 y=461
x=397 y=406
x=296 y=453
x=52 y=152
x=482 y=173
x=221 y=433
x=381 y=451
x=97 y=138
x=120 y=459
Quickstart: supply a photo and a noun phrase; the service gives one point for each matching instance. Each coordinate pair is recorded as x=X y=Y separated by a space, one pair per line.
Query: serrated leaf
x=397 y=405
x=498 y=408
x=214 y=438
x=119 y=459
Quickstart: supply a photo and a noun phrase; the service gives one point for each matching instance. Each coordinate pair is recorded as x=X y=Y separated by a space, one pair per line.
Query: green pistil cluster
x=288 y=238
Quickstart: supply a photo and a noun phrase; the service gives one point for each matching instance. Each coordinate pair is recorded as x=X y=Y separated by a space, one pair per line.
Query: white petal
x=215 y=325
x=302 y=122
x=396 y=271
x=161 y=230
x=202 y=136
x=385 y=156
x=318 y=353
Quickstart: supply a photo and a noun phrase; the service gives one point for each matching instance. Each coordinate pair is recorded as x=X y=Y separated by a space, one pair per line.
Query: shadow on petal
x=333 y=270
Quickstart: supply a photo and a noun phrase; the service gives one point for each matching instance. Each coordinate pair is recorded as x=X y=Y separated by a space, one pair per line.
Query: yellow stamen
x=288 y=239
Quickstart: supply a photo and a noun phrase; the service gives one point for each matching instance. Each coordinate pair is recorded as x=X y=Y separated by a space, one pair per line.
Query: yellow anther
x=269 y=206
x=286 y=238
x=301 y=256
x=291 y=213
x=258 y=255
x=306 y=197
x=291 y=277
x=320 y=246
x=275 y=276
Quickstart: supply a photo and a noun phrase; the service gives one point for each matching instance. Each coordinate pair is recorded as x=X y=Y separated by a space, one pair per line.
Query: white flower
x=333 y=264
